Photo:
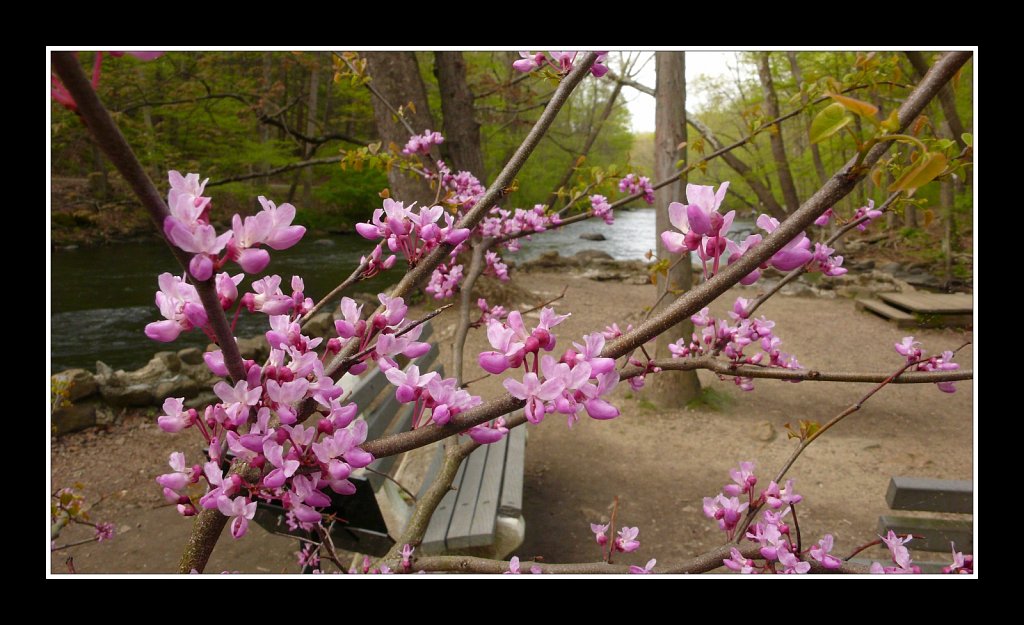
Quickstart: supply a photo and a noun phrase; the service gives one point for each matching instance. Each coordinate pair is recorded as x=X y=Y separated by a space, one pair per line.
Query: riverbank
x=659 y=462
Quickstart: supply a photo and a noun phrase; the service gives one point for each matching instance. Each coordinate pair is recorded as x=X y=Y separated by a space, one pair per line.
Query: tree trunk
x=312 y=104
x=396 y=76
x=947 y=99
x=461 y=130
x=819 y=166
x=671 y=389
x=768 y=202
x=789 y=195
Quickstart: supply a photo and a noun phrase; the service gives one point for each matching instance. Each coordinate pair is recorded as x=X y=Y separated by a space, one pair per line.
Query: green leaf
x=829 y=121
x=968 y=139
x=921 y=173
x=892 y=123
x=864 y=109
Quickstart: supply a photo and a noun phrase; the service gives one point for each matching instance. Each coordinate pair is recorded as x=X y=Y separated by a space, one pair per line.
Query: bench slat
x=367 y=389
x=511 y=502
x=917 y=493
x=937 y=533
x=485 y=518
x=433 y=538
x=465 y=505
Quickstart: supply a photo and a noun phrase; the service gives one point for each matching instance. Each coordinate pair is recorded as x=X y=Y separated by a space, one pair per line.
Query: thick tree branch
x=723 y=367
x=700 y=564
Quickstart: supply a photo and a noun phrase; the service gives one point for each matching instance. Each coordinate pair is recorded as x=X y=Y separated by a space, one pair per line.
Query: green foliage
x=829 y=121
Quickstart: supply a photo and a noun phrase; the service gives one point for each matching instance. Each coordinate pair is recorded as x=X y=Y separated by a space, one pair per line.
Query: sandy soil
x=660 y=463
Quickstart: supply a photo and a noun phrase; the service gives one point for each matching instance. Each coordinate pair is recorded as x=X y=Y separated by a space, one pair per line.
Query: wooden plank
x=511 y=502
x=931 y=303
x=902 y=319
x=367 y=389
x=385 y=464
x=918 y=493
x=433 y=538
x=465 y=505
x=937 y=533
x=485 y=518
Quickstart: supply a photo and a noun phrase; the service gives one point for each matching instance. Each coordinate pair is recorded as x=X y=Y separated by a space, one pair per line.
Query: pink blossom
x=513 y=566
x=900 y=554
x=792 y=564
x=738 y=563
x=104 y=531
x=599 y=533
x=744 y=479
x=179 y=303
x=633 y=184
x=626 y=542
x=646 y=570
x=486 y=434
x=529 y=62
x=174 y=418
x=240 y=510
x=866 y=211
x=823 y=219
x=409 y=382
x=909 y=347
x=600 y=207
x=535 y=393
x=820 y=552
x=420 y=144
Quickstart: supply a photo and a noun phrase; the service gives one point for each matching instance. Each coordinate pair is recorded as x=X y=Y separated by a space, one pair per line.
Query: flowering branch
x=421 y=272
x=723 y=367
x=806 y=442
x=700 y=564
x=108 y=136
x=835 y=189
x=801 y=270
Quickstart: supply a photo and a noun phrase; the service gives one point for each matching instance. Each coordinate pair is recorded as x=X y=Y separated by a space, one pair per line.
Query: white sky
x=641 y=105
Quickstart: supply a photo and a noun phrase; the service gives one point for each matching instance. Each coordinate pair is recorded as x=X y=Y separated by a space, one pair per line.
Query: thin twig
x=799 y=271
x=349 y=281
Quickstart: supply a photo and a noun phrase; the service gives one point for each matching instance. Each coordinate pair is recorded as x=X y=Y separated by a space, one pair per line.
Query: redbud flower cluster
x=561 y=61
x=720 y=336
x=632 y=183
x=910 y=348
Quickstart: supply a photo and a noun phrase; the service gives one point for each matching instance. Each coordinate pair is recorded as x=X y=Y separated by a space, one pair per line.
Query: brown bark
x=396 y=76
x=461 y=130
x=819 y=166
x=678 y=387
x=789 y=195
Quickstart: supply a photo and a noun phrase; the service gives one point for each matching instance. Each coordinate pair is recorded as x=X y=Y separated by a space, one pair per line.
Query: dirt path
x=659 y=463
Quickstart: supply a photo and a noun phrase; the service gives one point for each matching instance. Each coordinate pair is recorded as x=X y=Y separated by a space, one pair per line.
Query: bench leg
x=509 y=534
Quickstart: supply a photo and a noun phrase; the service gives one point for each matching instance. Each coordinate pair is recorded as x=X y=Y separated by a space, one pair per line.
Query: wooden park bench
x=482 y=513
x=931 y=495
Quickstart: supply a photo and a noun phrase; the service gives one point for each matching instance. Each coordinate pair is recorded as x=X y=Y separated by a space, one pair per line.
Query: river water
x=103 y=297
